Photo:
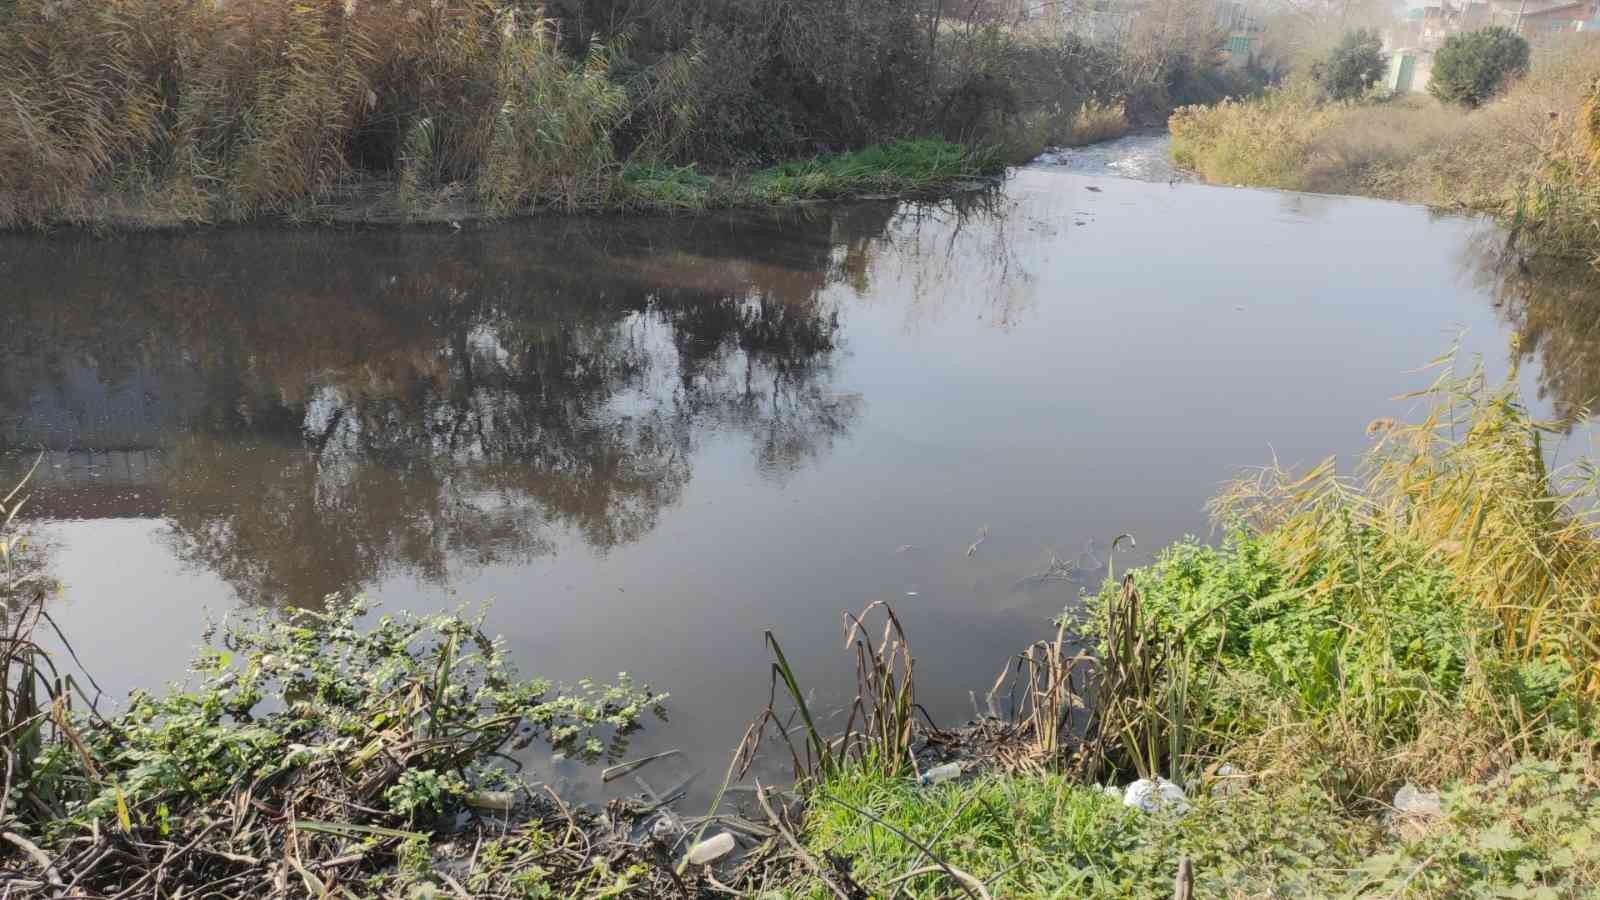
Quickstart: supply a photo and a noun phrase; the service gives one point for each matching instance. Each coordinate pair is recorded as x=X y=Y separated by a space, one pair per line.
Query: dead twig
x=806 y=858
x=38 y=856
x=612 y=773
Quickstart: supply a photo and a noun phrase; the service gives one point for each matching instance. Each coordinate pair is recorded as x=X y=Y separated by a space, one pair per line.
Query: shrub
x=1353 y=611
x=1261 y=142
x=1353 y=66
x=1473 y=66
x=1097 y=122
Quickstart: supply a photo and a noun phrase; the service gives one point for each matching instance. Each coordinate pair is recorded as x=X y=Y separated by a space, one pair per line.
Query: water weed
x=308 y=738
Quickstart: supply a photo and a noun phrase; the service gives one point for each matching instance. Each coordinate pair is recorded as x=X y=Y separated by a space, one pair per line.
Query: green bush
x=1353 y=66
x=1354 y=625
x=1472 y=67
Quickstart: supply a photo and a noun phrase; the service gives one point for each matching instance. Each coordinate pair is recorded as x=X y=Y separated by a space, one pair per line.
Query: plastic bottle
x=939 y=774
x=711 y=849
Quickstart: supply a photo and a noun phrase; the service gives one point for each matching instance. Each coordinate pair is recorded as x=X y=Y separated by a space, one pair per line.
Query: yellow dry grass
x=1469 y=482
x=1527 y=157
x=221 y=110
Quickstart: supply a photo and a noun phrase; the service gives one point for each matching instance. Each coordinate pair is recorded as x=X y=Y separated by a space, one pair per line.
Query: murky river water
x=647 y=442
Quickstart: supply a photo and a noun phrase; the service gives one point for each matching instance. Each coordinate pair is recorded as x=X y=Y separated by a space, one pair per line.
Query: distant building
x=1409 y=70
x=1428 y=27
x=1552 y=20
x=1438 y=23
x=1242 y=28
x=1411 y=43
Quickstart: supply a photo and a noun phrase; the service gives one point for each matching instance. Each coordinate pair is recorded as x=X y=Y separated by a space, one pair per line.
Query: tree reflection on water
x=1553 y=305
x=324 y=409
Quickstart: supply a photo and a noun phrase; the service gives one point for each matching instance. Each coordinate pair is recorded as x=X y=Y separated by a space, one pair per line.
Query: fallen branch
x=32 y=849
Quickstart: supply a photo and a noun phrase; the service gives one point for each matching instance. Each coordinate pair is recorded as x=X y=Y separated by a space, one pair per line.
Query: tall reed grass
x=1528 y=157
x=168 y=111
x=1467 y=483
x=882 y=719
x=216 y=110
x=36 y=697
x=1095 y=122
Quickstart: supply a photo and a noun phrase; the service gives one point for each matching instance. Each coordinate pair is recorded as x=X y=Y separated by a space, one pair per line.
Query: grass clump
x=1468 y=485
x=902 y=166
x=667 y=187
x=879 y=733
x=1264 y=142
x=1531 y=832
x=1430 y=617
x=1095 y=122
x=1090 y=122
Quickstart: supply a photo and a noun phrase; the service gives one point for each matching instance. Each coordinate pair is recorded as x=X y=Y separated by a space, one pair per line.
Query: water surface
x=646 y=442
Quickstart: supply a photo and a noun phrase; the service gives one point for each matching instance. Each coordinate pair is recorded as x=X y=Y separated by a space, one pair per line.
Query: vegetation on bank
x=1473 y=66
x=170 y=111
x=1428 y=620
x=1529 y=833
x=317 y=755
x=1424 y=620
x=1526 y=156
x=907 y=167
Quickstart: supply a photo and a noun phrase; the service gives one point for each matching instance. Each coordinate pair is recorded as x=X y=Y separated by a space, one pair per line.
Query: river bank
x=926 y=168
x=1526 y=158
x=650 y=440
x=1379 y=683
x=164 y=112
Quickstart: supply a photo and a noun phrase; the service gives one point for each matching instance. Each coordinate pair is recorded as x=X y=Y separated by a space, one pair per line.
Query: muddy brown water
x=646 y=442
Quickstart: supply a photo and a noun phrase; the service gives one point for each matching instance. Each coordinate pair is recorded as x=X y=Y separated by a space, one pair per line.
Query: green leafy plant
x=420 y=792
x=1352 y=66
x=1471 y=67
x=344 y=729
x=1532 y=832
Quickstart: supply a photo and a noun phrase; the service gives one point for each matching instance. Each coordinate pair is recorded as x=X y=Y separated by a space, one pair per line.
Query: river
x=646 y=442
